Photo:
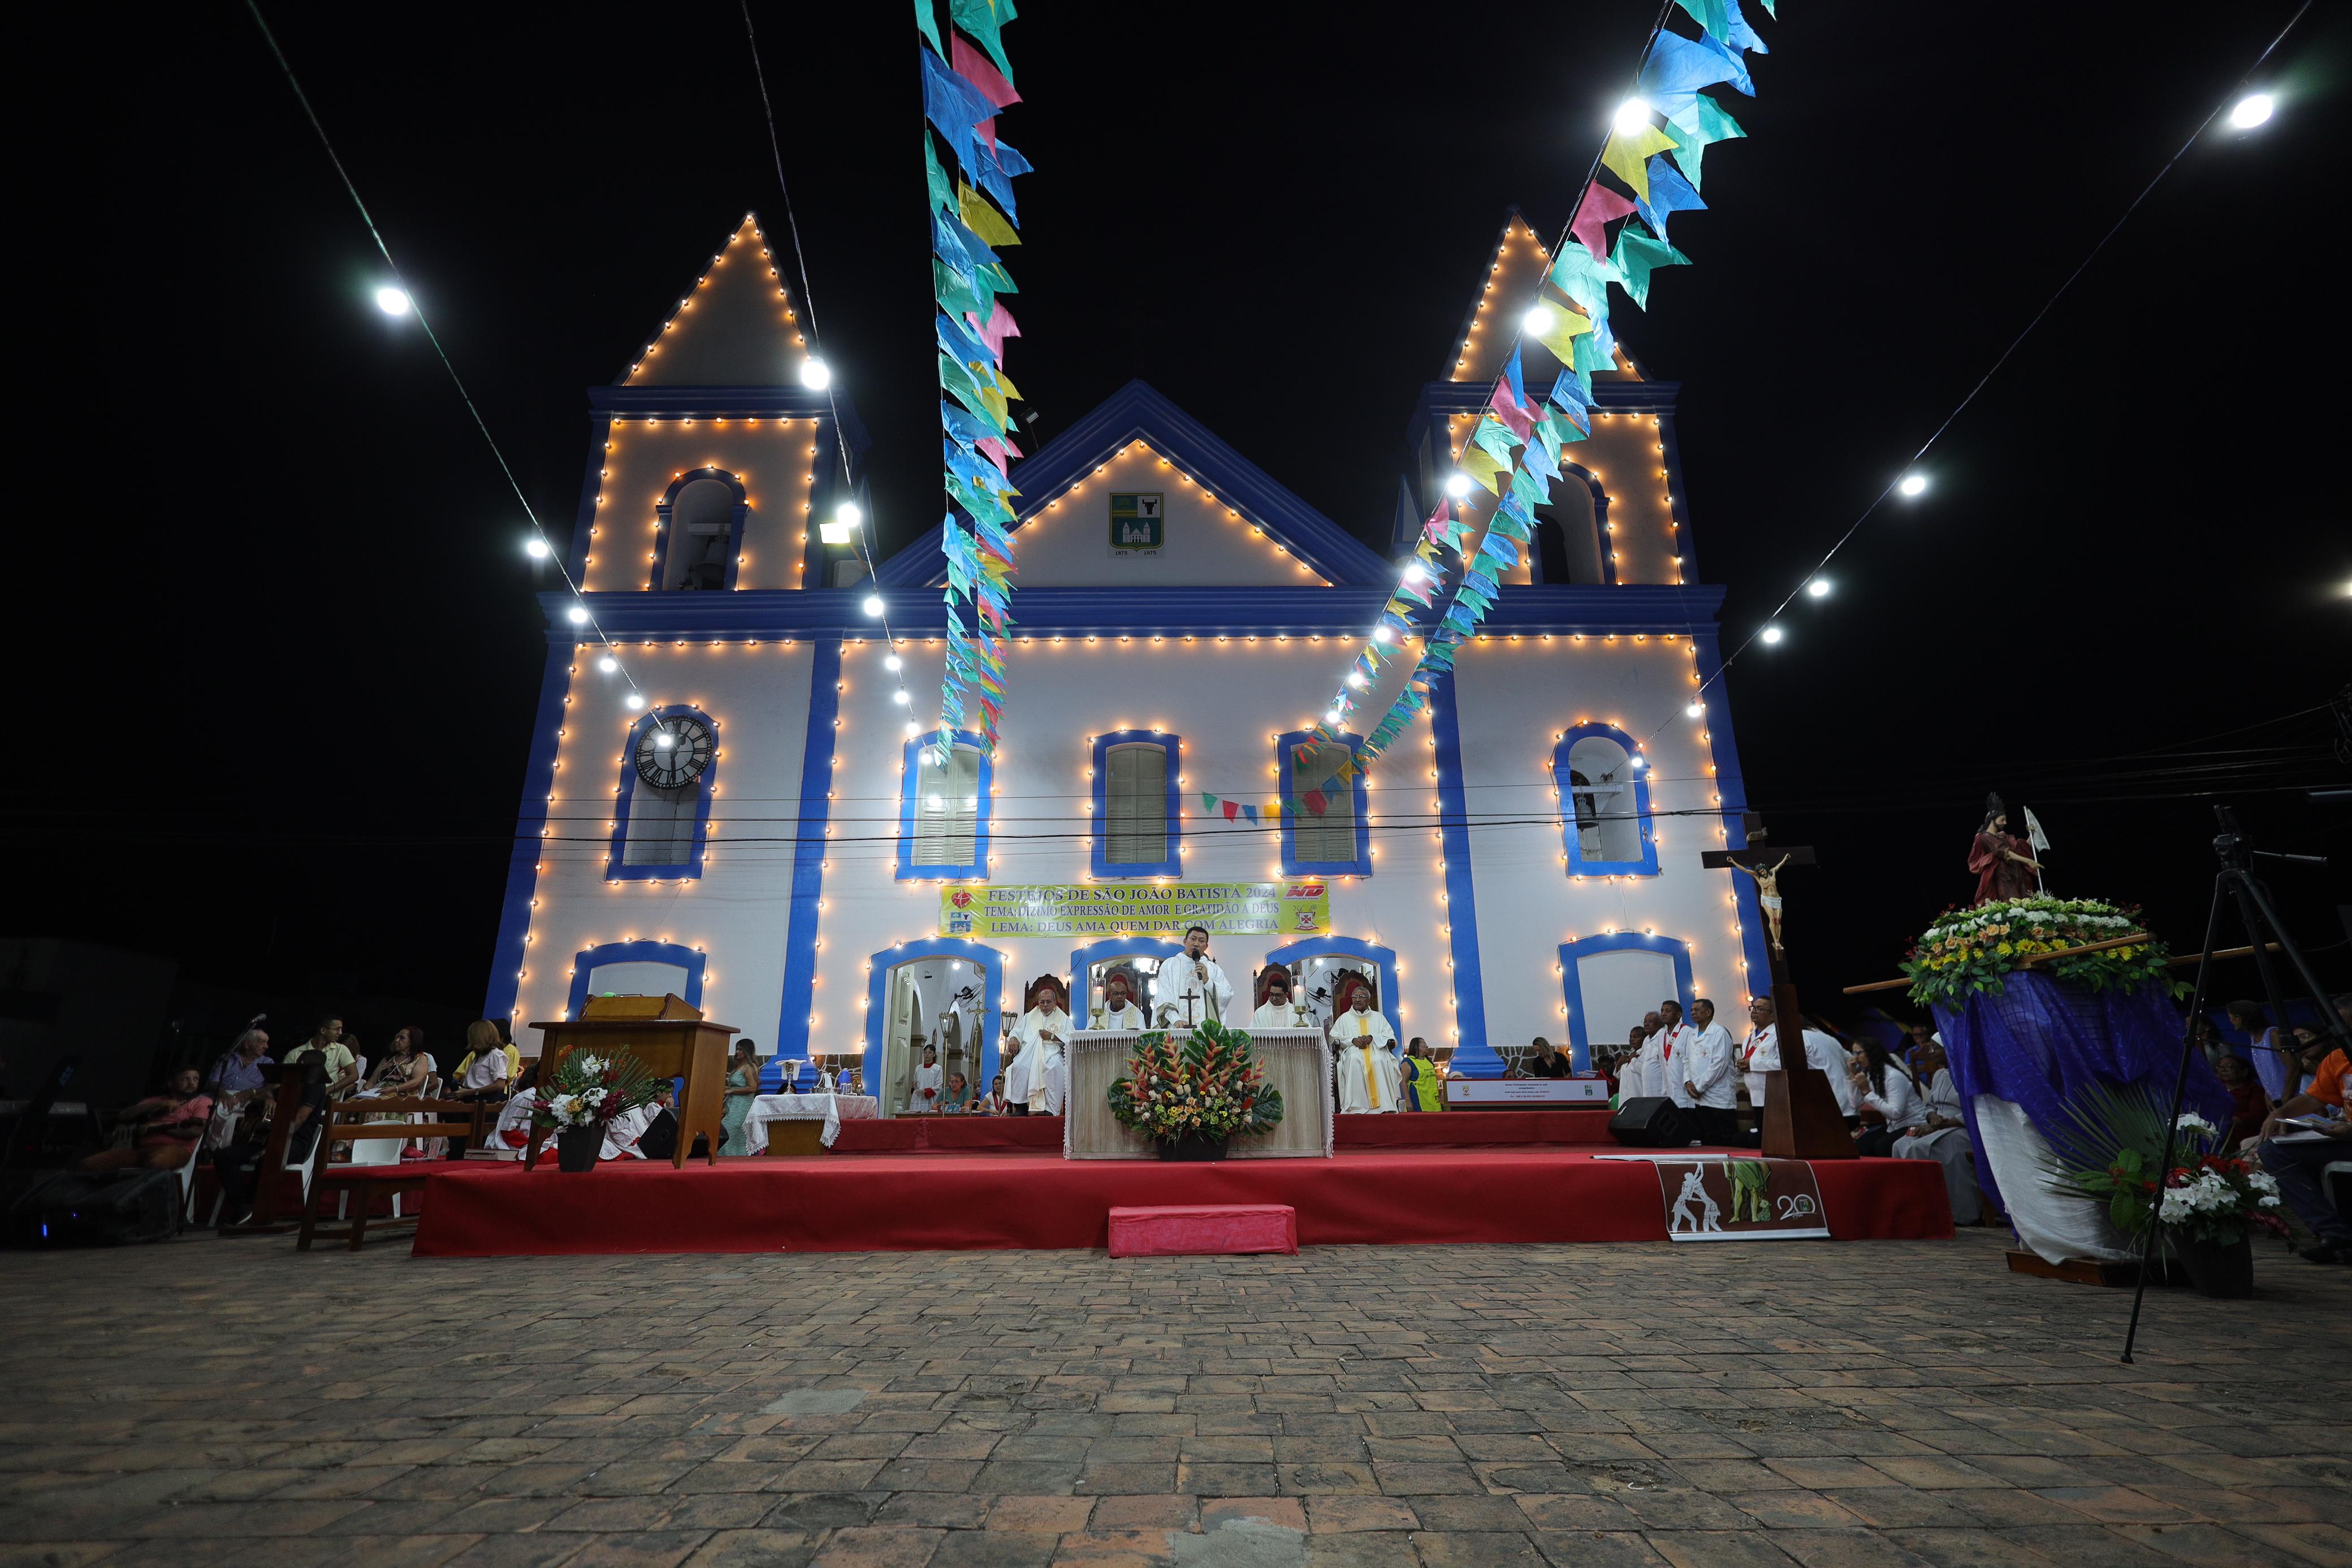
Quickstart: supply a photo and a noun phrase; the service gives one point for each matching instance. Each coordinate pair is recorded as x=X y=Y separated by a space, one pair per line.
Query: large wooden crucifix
x=1805 y=1123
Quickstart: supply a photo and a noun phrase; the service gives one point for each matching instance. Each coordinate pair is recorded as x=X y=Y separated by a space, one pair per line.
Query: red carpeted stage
x=1004 y=1198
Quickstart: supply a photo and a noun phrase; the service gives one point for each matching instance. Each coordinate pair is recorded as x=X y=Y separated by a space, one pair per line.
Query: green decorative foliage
x=590 y=1091
x=1209 y=1084
x=2117 y=1146
x=1971 y=950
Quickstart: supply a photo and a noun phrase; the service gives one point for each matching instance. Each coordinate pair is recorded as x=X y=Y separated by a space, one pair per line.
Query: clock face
x=673 y=752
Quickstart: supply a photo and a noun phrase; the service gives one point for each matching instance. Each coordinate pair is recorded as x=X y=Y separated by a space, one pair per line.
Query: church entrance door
x=932 y=1002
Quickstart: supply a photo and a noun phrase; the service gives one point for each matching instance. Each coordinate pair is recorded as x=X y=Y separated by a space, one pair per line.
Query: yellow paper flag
x=1561 y=336
x=1628 y=157
x=989 y=224
x=1482 y=466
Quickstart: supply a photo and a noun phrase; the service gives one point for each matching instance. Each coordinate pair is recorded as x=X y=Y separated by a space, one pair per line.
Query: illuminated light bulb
x=1819 y=588
x=901 y=697
x=536 y=548
x=1537 y=321
x=1913 y=485
x=634 y=701
x=1771 y=633
x=913 y=728
x=873 y=605
x=815 y=373
x=1633 y=117
x=894 y=664
x=2252 y=110
x=663 y=738
x=935 y=803
x=1356 y=679
x=1334 y=717
x=1640 y=763
x=1696 y=710
x=578 y=614
x=392 y=301
x=608 y=664
x=1382 y=634
x=1458 y=486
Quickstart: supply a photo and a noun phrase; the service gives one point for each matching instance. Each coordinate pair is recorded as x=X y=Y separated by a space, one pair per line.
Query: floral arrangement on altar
x=1207 y=1086
x=590 y=1091
x=2210 y=1195
x=1971 y=950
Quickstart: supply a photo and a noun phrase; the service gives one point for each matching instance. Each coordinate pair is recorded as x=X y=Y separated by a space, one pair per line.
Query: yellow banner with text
x=1136 y=909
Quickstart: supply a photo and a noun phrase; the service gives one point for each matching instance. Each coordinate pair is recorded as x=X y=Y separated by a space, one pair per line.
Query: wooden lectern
x=1802 y=1119
x=673 y=1042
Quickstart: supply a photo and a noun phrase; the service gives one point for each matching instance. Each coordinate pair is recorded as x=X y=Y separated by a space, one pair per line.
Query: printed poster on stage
x=1725 y=1200
x=988 y=910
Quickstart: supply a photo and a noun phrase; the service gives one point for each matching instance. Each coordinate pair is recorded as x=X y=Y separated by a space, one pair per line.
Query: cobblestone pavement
x=234 y=1402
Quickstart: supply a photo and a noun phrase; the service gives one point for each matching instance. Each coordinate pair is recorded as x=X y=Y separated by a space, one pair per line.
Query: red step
x=1186 y=1229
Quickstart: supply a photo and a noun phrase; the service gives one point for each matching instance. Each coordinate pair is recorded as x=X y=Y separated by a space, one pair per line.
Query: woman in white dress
x=1883 y=1085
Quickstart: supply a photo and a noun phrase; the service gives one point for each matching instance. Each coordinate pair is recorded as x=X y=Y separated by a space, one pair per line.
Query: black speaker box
x=1652 y=1121
x=74 y=1208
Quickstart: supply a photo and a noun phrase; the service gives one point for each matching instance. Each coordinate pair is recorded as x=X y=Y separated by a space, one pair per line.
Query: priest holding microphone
x=1190 y=987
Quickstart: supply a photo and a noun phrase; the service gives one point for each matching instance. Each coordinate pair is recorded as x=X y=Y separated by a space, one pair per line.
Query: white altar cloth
x=833 y=1110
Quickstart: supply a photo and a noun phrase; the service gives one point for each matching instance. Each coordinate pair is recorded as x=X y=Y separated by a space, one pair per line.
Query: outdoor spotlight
x=2252 y=110
x=1771 y=633
x=1913 y=485
x=815 y=375
x=1633 y=117
x=1640 y=763
x=832 y=533
x=578 y=614
x=1458 y=486
x=536 y=548
x=873 y=605
x=1819 y=588
x=394 y=301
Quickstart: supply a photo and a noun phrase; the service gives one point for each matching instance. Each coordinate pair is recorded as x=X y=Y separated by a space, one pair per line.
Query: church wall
x=1225 y=701
x=1514 y=697
x=1208 y=543
x=738 y=910
x=776 y=459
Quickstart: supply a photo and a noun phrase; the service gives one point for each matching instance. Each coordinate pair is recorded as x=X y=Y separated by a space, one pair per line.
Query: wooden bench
x=350 y=1121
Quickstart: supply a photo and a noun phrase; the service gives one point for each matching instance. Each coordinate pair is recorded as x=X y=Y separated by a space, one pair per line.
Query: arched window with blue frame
x=1331 y=834
x=1604 y=803
x=1138 y=823
x=943 y=810
x=698 y=531
x=661 y=816
x=635 y=969
x=1608 y=984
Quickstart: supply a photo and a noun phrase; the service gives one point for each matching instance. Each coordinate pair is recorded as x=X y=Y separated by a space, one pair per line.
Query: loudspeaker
x=1652 y=1121
x=77 y=1208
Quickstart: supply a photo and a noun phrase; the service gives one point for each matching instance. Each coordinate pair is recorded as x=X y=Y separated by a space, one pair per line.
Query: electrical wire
x=1982 y=381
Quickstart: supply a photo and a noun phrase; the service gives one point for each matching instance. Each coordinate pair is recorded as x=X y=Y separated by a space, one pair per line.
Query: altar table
x=1297 y=1061
x=808 y=1112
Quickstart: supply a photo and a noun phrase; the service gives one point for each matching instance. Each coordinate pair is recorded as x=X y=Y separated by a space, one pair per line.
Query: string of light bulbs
x=2247 y=111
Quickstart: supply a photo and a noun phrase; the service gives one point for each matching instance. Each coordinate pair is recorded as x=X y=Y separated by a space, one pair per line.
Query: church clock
x=673 y=752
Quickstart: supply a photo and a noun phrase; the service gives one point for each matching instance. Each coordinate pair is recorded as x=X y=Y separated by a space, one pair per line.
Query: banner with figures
x=1721 y=1197
x=1654 y=151
x=965 y=85
x=1163 y=910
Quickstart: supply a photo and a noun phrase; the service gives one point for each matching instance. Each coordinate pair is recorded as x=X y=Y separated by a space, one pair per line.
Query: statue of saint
x=2004 y=862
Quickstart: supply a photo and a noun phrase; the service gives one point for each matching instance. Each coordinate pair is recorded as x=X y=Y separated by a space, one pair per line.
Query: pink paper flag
x=1232 y=810
x=999 y=327
x=1433 y=531
x=1507 y=409
x=1601 y=205
x=975 y=68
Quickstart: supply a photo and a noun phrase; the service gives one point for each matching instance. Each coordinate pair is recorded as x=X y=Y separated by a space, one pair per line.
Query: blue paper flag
x=1669 y=192
x=953 y=104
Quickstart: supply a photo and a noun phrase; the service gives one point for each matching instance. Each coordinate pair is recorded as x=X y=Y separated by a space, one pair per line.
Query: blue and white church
x=1523 y=862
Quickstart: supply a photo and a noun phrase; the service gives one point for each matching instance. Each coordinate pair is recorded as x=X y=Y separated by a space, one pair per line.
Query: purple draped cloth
x=2039 y=1042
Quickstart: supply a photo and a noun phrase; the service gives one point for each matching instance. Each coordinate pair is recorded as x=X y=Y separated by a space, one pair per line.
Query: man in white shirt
x=1369 y=1081
x=1274 y=1004
x=1190 y=987
x=1709 y=1088
x=1643 y=1076
x=1764 y=1055
x=343 y=1067
x=1118 y=1011
x=1759 y=1053
x=1674 y=1039
x=1036 y=1081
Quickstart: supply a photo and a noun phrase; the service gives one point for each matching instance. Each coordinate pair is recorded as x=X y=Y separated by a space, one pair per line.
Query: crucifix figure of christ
x=1804 y=1121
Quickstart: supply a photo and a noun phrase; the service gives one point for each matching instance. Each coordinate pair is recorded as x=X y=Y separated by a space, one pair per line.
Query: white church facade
x=1523 y=862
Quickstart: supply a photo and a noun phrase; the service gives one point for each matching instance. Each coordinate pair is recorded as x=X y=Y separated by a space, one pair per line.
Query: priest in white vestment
x=1273 y=1000
x=1119 y=1010
x=1190 y=987
x=1038 y=1076
x=1369 y=1081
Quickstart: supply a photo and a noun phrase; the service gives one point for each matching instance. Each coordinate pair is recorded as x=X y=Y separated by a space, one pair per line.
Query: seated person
x=487 y=1071
x=1274 y=1009
x=2250 y=1103
x=659 y=1141
x=1943 y=1135
x=1546 y=1062
x=163 y=1131
x=993 y=1102
x=1119 y=1010
x=2299 y=1168
x=958 y=1099
x=1885 y=1098
x=237 y=1074
x=238 y=1167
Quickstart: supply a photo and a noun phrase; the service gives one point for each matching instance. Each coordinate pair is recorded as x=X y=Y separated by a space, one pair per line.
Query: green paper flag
x=1637 y=257
x=936 y=179
x=929 y=26
x=1496 y=436
x=981 y=18
x=1582 y=276
x=1697 y=126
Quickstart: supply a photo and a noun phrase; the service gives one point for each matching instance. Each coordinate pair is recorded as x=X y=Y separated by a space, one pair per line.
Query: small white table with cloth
x=830 y=1110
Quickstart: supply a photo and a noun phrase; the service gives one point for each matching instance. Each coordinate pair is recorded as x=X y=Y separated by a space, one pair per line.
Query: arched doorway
x=944 y=992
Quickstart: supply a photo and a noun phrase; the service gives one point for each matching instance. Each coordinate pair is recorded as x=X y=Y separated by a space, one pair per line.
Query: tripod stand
x=2235 y=881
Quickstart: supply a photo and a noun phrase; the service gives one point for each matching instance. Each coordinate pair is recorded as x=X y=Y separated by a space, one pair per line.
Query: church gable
x=738 y=326
x=1220 y=520
x=1514 y=271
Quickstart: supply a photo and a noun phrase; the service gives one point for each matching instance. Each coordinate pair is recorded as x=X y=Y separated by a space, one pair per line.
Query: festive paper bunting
x=1679 y=67
x=983 y=219
x=1697 y=126
x=1583 y=275
x=975 y=68
x=953 y=104
x=1637 y=257
x=1601 y=208
x=1561 y=336
x=1496 y=437
x=1505 y=407
x=981 y=18
x=936 y=181
x=928 y=24
x=1628 y=156
x=1669 y=192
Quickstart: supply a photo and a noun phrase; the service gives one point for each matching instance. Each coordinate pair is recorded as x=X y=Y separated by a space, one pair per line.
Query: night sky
x=288 y=647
